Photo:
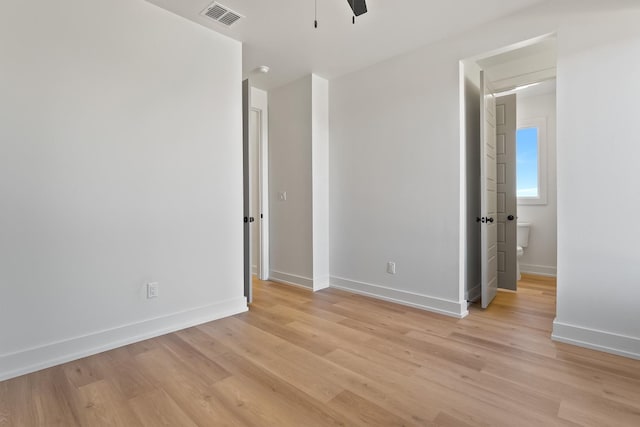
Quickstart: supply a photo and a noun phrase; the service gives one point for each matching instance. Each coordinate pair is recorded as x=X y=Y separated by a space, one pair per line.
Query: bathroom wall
x=540 y=256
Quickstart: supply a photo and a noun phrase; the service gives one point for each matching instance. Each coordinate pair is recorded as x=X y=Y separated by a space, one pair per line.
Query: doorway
x=256 y=186
x=523 y=78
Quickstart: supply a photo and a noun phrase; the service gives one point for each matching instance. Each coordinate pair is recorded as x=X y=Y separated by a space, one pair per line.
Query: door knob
x=511 y=217
x=251 y=219
x=484 y=220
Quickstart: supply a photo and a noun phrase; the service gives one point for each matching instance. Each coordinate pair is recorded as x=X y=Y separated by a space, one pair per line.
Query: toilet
x=522 y=242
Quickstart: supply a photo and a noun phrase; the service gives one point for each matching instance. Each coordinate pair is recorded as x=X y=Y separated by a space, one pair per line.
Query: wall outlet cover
x=152 y=290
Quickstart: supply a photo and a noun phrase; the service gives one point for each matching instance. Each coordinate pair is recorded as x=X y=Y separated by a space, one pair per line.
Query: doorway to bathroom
x=522 y=82
x=256 y=186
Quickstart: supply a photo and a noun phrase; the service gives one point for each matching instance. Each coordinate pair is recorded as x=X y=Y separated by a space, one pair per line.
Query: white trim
x=474 y=293
x=52 y=354
x=291 y=279
x=594 y=339
x=540 y=270
x=321 y=283
x=463 y=234
x=437 y=305
x=541 y=124
x=519 y=45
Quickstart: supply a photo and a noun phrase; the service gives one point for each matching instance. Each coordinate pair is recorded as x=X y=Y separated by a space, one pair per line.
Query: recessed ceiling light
x=264 y=69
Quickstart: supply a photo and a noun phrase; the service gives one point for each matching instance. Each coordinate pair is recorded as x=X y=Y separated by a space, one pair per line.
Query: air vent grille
x=216 y=12
x=221 y=14
x=229 y=18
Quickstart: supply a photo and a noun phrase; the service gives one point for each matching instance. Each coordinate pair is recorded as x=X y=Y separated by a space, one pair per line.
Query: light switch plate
x=391 y=267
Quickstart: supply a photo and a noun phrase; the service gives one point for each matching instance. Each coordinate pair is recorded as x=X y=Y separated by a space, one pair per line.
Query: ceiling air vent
x=221 y=14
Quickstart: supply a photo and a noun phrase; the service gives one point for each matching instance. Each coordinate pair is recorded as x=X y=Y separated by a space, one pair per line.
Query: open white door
x=254 y=190
x=506 y=124
x=248 y=219
x=488 y=192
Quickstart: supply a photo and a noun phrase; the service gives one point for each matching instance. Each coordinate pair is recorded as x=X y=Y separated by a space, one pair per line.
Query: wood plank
x=269 y=352
x=192 y=394
x=103 y=406
x=254 y=375
x=260 y=405
x=51 y=406
x=158 y=409
x=447 y=420
x=365 y=413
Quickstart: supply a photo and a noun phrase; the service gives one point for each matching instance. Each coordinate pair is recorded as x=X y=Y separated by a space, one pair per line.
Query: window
x=531 y=162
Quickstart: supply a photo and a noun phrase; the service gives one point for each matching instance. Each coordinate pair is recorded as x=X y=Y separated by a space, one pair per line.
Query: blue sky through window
x=527 y=162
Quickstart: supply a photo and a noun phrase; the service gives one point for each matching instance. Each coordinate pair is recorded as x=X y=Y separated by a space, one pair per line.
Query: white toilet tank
x=523 y=234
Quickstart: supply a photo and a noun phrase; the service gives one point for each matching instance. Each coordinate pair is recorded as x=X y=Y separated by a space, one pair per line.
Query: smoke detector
x=221 y=14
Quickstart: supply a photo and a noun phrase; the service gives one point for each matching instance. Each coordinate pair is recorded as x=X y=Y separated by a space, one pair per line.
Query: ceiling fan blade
x=359 y=7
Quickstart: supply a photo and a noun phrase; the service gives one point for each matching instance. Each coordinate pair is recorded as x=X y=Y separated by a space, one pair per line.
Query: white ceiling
x=280 y=33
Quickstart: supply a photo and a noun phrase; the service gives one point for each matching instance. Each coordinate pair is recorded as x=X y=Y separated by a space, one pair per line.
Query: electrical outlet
x=152 y=290
x=391 y=267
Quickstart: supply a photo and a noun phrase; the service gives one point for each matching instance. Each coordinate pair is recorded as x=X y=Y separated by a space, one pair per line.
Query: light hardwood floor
x=334 y=358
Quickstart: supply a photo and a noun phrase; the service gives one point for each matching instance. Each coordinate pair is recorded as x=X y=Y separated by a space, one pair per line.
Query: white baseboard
x=321 y=283
x=424 y=302
x=473 y=293
x=291 y=279
x=608 y=342
x=540 y=270
x=37 y=358
x=254 y=270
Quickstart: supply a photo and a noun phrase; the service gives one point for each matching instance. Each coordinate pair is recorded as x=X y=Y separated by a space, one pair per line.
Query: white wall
x=598 y=174
x=291 y=221
x=395 y=169
x=120 y=164
x=471 y=180
x=298 y=165
x=320 y=178
x=395 y=180
x=540 y=256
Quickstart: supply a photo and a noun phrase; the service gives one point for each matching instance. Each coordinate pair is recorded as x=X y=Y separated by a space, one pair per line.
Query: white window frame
x=541 y=124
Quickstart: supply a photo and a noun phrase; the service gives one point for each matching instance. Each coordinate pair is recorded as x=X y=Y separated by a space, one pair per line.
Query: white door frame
x=463 y=261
